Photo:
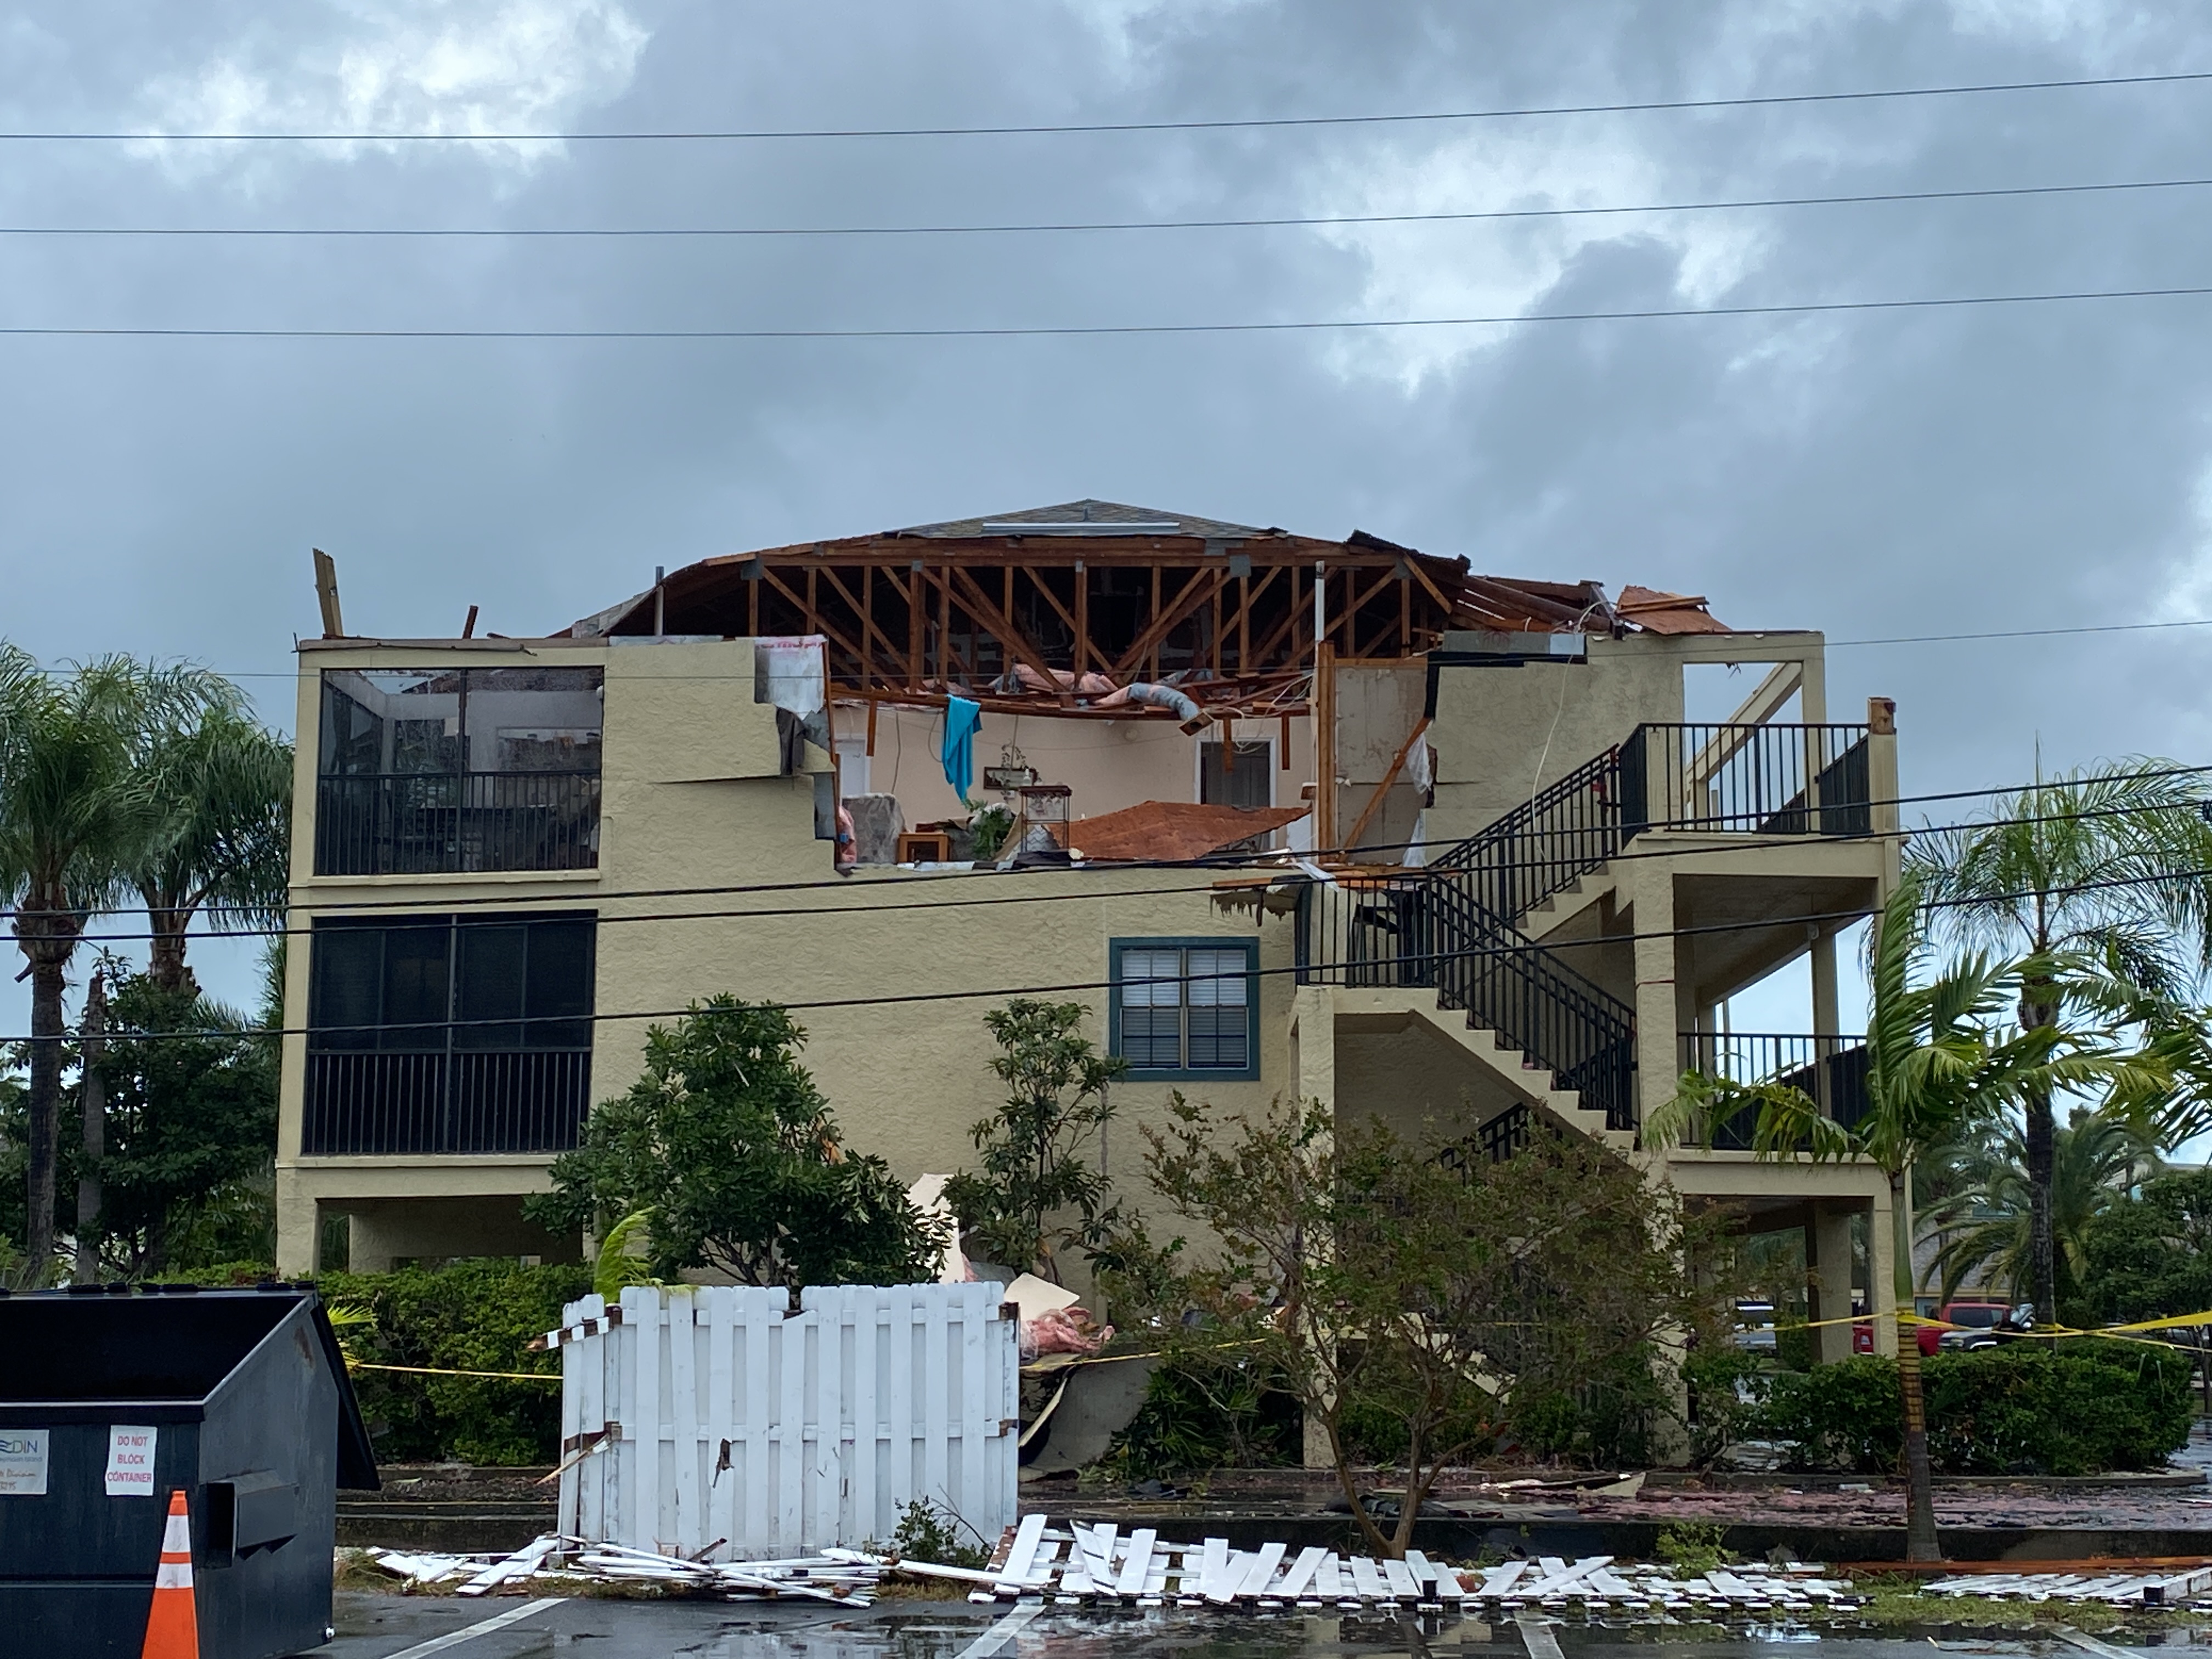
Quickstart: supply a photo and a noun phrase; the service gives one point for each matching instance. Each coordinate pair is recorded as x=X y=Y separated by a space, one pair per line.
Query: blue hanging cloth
x=963 y=719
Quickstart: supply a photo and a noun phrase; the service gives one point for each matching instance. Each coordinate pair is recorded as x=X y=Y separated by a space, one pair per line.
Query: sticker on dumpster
x=129 y=1462
x=23 y=1463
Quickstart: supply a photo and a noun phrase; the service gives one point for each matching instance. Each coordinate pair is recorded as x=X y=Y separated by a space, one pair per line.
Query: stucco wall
x=1502 y=733
x=1108 y=763
x=691 y=800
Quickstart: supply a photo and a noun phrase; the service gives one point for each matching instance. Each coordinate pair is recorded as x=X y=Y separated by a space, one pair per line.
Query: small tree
x=1037 y=1195
x=1462 y=1303
x=190 y=1133
x=728 y=1142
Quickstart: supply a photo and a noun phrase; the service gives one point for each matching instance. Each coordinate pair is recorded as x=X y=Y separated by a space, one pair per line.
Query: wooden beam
x=1163 y=623
x=1084 y=654
x=810 y=618
x=868 y=660
x=1381 y=789
x=1018 y=644
x=327 y=594
x=1037 y=581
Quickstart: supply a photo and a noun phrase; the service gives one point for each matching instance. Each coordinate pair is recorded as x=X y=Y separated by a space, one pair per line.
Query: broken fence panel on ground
x=712 y=1422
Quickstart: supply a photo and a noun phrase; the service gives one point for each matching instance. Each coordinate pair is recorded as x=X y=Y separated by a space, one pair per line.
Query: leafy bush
x=1202 y=1414
x=1692 y=1546
x=471 y=1316
x=1728 y=1390
x=2076 y=1408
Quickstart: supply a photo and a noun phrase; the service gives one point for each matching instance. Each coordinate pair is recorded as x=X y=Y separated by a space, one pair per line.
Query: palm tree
x=2105 y=865
x=74 y=811
x=225 y=786
x=2096 y=1159
x=1934 y=1068
x=82 y=810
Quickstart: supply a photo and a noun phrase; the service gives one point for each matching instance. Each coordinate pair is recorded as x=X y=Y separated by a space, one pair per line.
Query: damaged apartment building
x=1289 y=815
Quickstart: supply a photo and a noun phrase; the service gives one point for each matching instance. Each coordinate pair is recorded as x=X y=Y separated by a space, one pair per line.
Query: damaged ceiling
x=1054 y=605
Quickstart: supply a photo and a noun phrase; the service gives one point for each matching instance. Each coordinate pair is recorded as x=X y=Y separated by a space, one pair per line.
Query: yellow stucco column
x=1658 y=1061
x=1828 y=1254
x=298 y=1227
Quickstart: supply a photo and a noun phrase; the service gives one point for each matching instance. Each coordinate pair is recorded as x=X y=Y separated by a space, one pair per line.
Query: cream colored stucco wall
x=1502 y=733
x=1108 y=763
x=691 y=800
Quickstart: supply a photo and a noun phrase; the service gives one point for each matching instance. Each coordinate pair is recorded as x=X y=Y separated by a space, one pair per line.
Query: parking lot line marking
x=482 y=1627
x=984 y=1645
x=1541 y=1643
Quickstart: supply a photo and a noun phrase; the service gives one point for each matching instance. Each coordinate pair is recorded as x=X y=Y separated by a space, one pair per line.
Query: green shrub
x=2073 y=1408
x=1692 y=1546
x=1728 y=1390
x=471 y=1316
x=1200 y=1415
x=1793 y=1345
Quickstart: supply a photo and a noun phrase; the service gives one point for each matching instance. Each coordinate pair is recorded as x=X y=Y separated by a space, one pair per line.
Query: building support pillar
x=1828 y=1262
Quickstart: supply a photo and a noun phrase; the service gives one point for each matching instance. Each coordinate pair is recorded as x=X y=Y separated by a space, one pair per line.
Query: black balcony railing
x=448 y=823
x=1430 y=930
x=1747 y=779
x=1496 y=1141
x=366 y=1103
x=1830 y=1070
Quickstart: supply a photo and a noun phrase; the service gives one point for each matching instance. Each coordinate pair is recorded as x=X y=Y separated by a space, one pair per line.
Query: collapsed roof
x=1056 y=605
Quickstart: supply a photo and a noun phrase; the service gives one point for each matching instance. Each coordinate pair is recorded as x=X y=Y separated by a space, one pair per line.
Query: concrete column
x=1658 y=1061
x=1828 y=1256
x=298 y=1227
x=1881 y=1273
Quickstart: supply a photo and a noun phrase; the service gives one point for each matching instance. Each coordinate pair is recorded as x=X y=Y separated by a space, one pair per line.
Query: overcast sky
x=1869 y=474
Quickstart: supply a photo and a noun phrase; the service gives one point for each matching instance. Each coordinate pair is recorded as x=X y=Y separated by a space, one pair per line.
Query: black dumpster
x=111 y=1401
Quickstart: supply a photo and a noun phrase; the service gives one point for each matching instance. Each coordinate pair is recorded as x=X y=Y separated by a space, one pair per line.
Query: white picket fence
x=712 y=1422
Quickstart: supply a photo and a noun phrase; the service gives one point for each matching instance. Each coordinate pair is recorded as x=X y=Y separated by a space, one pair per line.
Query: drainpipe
x=659 y=600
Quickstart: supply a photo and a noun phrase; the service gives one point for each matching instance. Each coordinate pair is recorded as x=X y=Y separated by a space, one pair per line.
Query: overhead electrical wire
x=1077 y=330
x=1831 y=645
x=1230 y=123
x=552 y=905
x=892 y=999
x=1048 y=227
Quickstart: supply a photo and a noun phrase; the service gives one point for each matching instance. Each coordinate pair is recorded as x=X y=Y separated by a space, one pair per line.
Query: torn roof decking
x=1098 y=588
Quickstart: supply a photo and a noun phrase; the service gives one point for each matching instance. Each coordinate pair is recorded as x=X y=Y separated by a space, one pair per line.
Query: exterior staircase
x=1454 y=928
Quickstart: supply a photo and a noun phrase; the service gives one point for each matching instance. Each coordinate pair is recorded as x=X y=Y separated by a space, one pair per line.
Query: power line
x=2030 y=633
x=1223 y=124
x=892 y=999
x=445 y=912
x=1014 y=331
x=1050 y=226
x=1831 y=645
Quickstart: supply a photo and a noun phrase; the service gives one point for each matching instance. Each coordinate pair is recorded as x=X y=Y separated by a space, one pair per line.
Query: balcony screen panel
x=346 y=993
x=491 y=962
x=414 y=988
x=557 y=995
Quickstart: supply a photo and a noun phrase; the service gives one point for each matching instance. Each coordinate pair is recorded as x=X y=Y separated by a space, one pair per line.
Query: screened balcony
x=457 y=771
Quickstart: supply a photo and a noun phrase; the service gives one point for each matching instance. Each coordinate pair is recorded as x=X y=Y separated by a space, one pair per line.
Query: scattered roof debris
x=1175 y=831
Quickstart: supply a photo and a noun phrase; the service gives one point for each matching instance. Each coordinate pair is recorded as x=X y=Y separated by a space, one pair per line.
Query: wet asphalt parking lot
x=399 y=1627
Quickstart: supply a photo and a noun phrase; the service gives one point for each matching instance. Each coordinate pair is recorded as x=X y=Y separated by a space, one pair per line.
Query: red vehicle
x=1969 y=1316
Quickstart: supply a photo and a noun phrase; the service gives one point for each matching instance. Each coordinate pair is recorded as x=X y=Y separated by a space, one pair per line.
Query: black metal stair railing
x=1430 y=930
x=1565 y=831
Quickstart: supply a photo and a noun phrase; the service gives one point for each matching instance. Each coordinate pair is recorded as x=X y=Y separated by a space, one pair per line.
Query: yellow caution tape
x=2118 y=1332
x=434 y=1371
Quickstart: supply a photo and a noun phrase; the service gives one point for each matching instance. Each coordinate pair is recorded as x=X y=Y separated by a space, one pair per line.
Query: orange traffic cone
x=173 y=1629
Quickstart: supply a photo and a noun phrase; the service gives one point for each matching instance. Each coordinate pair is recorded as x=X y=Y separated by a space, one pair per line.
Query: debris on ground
x=2165 y=1587
x=847 y=1581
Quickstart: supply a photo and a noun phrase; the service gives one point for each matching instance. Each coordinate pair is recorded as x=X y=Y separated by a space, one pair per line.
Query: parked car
x=1973 y=1318
x=1754 y=1327
x=2015 y=1323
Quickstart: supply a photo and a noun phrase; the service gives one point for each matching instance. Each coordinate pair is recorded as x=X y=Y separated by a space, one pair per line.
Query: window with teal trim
x=1185 y=1007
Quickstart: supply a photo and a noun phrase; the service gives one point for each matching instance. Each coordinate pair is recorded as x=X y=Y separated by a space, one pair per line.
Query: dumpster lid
x=164 y=1349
